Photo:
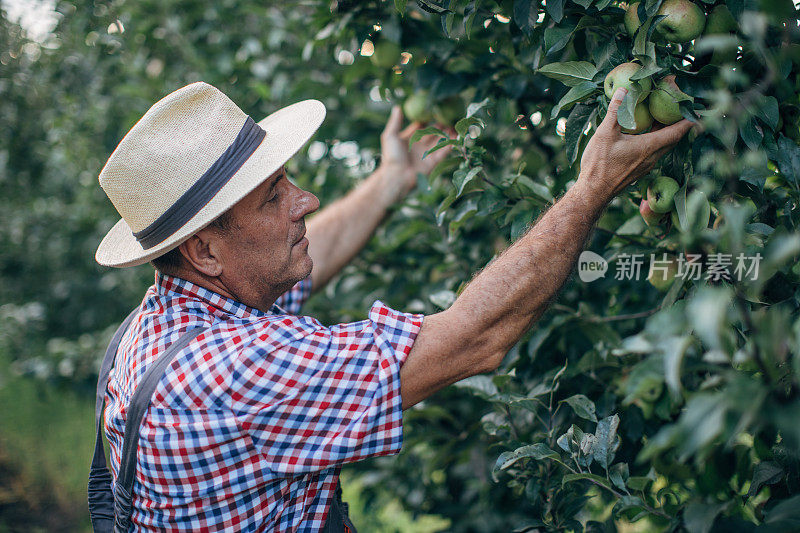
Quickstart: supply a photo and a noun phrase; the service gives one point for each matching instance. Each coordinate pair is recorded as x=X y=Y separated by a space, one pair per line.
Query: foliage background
x=691 y=397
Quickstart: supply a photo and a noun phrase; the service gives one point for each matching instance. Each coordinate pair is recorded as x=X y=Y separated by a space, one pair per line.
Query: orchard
x=660 y=392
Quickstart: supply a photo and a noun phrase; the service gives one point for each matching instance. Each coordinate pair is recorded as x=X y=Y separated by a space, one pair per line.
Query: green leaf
x=439 y=145
x=474 y=107
x=674 y=354
x=469 y=18
x=569 y=478
x=556 y=38
x=680 y=206
x=525 y=15
x=607 y=440
x=708 y=312
x=462 y=178
x=625 y=112
x=437 y=8
x=569 y=73
x=639 y=482
x=447 y=23
x=751 y=133
x=463 y=125
x=444 y=206
x=583 y=406
x=650 y=7
x=786 y=510
x=647 y=71
x=579 y=117
x=529 y=188
x=699 y=517
x=482 y=386
x=538 y=451
x=641 y=39
x=555 y=8
x=765 y=473
x=619 y=475
x=575 y=94
x=628 y=503
x=430 y=130
x=767 y=111
x=400 y=6
x=788 y=159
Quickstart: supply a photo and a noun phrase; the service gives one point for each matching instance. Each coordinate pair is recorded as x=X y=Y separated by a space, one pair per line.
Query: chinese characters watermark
x=716 y=266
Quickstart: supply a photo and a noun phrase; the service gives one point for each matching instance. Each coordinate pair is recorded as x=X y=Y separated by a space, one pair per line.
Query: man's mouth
x=301 y=238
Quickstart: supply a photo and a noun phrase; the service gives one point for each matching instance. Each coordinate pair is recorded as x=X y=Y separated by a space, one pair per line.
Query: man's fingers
x=410 y=129
x=611 y=115
x=395 y=120
x=669 y=135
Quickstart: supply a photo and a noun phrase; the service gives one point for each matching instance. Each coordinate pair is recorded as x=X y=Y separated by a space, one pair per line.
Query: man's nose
x=305 y=203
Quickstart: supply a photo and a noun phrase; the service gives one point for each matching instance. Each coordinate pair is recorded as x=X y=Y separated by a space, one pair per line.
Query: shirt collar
x=169 y=287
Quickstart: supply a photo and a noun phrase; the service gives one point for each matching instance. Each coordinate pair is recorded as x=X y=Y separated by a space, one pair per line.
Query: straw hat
x=191 y=157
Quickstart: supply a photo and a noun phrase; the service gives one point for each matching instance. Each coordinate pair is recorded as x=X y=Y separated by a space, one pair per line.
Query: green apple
x=685 y=21
x=651 y=218
x=661 y=194
x=620 y=76
x=415 y=108
x=698 y=213
x=449 y=111
x=664 y=101
x=661 y=278
x=720 y=21
x=631 y=18
x=643 y=119
x=386 y=54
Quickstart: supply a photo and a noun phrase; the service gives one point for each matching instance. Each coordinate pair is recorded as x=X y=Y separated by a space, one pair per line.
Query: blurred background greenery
x=74 y=77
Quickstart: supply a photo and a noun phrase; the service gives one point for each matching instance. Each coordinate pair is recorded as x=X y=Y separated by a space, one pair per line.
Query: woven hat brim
x=288 y=130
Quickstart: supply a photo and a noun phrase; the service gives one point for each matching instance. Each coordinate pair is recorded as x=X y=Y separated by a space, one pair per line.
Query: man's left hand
x=400 y=164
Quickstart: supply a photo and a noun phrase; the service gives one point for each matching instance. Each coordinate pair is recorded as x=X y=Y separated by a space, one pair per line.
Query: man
x=251 y=422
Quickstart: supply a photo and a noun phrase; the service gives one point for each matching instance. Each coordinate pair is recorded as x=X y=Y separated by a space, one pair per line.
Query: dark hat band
x=198 y=195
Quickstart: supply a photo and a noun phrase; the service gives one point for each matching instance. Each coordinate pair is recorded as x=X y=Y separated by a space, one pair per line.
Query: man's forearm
x=504 y=299
x=514 y=290
x=342 y=229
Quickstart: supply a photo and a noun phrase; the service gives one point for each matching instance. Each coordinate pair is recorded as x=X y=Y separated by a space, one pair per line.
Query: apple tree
x=659 y=392
x=669 y=402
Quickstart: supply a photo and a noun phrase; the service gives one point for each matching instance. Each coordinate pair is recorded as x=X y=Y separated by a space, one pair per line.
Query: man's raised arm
x=513 y=291
x=342 y=229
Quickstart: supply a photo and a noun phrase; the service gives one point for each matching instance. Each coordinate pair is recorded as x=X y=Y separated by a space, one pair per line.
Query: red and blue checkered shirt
x=250 y=424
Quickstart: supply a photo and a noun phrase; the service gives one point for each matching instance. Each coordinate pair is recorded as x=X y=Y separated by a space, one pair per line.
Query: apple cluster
x=684 y=21
x=660 y=103
x=681 y=21
x=659 y=201
x=658 y=209
x=418 y=106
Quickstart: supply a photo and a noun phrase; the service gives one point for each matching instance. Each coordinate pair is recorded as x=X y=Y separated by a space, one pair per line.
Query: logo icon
x=591 y=266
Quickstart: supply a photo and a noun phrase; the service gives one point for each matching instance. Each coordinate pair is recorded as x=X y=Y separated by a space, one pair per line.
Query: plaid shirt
x=250 y=424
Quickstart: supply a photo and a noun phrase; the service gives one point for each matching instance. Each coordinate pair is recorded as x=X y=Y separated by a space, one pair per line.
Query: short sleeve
x=292 y=300
x=312 y=397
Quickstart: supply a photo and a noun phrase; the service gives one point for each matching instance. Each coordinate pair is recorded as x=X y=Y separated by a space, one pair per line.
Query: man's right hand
x=613 y=160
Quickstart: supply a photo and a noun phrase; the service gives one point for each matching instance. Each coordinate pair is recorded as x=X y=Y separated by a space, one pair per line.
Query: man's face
x=265 y=252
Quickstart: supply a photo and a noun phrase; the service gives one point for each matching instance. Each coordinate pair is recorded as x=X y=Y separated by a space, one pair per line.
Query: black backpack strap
x=101 y=500
x=103 y=505
x=123 y=494
x=338 y=520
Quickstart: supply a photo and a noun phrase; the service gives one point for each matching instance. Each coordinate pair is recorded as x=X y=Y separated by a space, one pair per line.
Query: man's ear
x=201 y=251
